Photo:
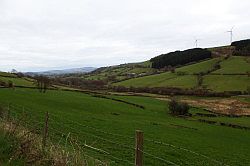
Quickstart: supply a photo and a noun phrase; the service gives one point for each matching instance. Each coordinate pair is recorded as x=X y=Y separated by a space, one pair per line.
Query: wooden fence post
x=139 y=148
x=46 y=125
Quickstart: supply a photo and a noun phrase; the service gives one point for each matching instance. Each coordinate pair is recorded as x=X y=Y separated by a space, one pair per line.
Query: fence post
x=139 y=148
x=46 y=125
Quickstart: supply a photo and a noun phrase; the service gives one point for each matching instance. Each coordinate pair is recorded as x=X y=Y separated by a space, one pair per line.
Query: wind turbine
x=231 y=34
x=196 y=43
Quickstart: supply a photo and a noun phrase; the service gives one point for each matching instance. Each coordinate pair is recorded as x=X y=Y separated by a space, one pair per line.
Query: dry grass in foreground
x=30 y=147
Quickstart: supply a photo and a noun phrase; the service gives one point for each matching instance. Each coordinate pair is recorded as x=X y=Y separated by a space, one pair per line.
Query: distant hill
x=65 y=71
x=118 y=73
x=121 y=72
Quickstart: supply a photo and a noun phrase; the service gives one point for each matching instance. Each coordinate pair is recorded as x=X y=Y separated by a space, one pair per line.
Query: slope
x=231 y=76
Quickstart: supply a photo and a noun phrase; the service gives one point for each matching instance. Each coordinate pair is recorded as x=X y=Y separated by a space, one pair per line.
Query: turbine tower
x=196 y=43
x=231 y=34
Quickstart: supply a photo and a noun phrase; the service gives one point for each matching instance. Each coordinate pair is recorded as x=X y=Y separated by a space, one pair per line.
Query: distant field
x=74 y=112
x=171 y=79
x=7 y=74
x=234 y=65
x=18 y=81
x=122 y=72
x=226 y=82
x=198 y=67
x=161 y=80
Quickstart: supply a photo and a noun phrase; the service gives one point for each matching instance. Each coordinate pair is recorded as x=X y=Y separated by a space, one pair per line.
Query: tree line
x=242 y=48
x=180 y=58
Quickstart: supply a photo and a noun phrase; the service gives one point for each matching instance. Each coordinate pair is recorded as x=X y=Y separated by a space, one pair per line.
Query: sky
x=39 y=35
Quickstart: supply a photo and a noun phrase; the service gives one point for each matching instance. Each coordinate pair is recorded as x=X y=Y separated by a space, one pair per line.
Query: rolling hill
x=65 y=71
x=5 y=78
x=102 y=125
x=232 y=76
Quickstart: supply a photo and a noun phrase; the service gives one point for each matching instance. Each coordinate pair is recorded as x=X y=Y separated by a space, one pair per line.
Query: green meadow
x=215 y=81
x=110 y=126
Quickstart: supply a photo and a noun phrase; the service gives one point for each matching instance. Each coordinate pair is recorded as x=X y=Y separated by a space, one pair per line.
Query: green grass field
x=198 y=67
x=227 y=82
x=18 y=81
x=233 y=65
x=122 y=72
x=7 y=74
x=93 y=120
x=161 y=80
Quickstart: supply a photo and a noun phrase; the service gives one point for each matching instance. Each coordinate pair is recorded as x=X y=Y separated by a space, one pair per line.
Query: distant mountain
x=65 y=71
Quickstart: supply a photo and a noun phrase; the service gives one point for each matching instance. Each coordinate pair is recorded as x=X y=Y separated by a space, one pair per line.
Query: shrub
x=181 y=73
x=178 y=108
x=3 y=84
x=199 y=80
x=10 y=84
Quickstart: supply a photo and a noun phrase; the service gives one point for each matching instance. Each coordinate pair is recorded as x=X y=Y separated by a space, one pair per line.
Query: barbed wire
x=159 y=158
x=184 y=149
x=97 y=149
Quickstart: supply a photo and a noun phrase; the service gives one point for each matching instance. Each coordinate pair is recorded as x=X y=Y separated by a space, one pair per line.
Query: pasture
x=110 y=125
x=232 y=76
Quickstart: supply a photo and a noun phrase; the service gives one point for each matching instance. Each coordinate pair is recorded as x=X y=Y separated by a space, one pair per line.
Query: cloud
x=49 y=34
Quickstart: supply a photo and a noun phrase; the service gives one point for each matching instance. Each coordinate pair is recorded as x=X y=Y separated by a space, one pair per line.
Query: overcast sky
x=38 y=35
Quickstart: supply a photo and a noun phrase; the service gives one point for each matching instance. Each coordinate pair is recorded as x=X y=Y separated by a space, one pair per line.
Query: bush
x=3 y=84
x=10 y=84
x=177 y=108
x=181 y=73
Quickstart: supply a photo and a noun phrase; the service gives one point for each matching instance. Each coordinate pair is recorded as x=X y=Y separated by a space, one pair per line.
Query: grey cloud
x=50 y=34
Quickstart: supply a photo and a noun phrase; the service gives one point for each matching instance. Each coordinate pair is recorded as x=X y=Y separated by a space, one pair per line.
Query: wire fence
x=94 y=139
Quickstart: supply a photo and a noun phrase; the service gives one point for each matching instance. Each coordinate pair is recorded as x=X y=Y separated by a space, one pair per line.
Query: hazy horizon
x=46 y=35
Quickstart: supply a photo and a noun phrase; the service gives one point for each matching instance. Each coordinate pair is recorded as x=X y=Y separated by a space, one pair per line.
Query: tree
x=178 y=58
x=42 y=83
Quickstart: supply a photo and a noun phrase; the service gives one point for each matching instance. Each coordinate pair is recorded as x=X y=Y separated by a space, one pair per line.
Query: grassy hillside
x=121 y=72
x=227 y=82
x=235 y=65
x=232 y=65
x=17 y=81
x=110 y=125
x=7 y=74
x=198 y=67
